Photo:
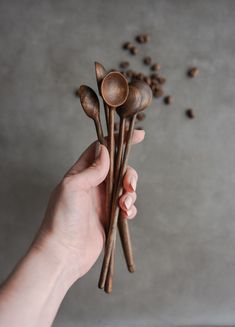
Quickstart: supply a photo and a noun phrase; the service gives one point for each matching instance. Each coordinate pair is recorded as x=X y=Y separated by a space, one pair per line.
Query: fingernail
x=133 y=182
x=129 y=213
x=128 y=202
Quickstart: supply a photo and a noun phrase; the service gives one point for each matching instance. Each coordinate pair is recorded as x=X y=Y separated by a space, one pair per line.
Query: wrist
x=57 y=256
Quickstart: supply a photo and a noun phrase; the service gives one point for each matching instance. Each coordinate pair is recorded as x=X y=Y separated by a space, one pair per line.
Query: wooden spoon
x=114 y=91
x=100 y=72
x=140 y=96
x=90 y=104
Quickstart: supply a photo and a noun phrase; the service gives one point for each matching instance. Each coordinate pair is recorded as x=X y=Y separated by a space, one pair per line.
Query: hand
x=73 y=227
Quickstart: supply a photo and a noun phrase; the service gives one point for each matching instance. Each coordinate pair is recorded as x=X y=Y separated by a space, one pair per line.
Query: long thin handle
x=118 y=159
x=99 y=130
x=115 y=207
x=111 y=148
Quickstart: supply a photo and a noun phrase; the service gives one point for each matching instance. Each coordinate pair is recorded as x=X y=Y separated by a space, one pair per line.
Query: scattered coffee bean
x=155 y=67
x=124 y=64
x=140 y=38
x=140 y=76
x=168 y=99
x=154 y=76
x=141 y=116
x=158 y=92
x=133 y=50
x=129 y=73
x=146 y=38
x=127 y=45
x=148 y=80
x=190 y=113
x=193 y=72
x=161 y=80
x=76 y=92
x=147 y=60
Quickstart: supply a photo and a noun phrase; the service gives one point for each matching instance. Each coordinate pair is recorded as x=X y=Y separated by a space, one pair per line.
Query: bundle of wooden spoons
x=127 y=100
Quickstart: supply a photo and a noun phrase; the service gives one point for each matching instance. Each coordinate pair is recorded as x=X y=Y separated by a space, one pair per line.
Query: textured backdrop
x=184 y=235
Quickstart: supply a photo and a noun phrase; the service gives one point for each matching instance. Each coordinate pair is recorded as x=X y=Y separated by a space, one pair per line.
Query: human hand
x=74 y=223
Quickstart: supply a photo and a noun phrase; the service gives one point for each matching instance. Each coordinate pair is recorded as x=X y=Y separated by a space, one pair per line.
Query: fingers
x=138 y=136
x=130 y=180
x=128 y=199
x=130 y=214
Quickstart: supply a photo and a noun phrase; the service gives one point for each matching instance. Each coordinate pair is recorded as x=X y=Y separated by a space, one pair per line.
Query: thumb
x=96 y=173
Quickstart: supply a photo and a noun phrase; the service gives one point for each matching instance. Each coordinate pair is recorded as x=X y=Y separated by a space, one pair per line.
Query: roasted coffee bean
x=127 y=45
x=168 y=99
x=141 y=116
x=148 y=80
x=193 y=72
x=133 y=50
x=154 y=76
x=190 y=113
x=129 y=73
x=140 y=38
x=76 y=92
x=140 y=76
x=147 y=60
x=146 y=38
x=158 y=92
x=124 y=64
x=161 y=80
x=155 y=67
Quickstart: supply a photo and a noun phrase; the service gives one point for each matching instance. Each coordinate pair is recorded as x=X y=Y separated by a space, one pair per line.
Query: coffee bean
x=158 y=92
x=155 y=67
x=146 y=38
x=193 y=72
x=140 y=38
x=148 y=80
x=168 y=99
x=140 y=76
x=134 y=50
x=141 y=116
x=124 y=64
x=147 y=60
x=161 y=80
x=154 y=76
x=76 y=92
x=127 y=45
x=190 y=113
x=129 y=73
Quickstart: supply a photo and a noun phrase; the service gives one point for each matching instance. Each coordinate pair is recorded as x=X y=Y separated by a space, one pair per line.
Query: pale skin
x=68 y=243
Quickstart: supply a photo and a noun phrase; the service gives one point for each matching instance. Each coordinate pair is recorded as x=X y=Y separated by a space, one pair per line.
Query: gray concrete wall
x=184 y=235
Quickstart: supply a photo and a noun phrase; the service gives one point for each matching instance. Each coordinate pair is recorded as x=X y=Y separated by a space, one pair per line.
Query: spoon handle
x=109 y=279
x=118 y=160
x=115 y=207
x=106 y=112
x=99 y=130
x=109 y=182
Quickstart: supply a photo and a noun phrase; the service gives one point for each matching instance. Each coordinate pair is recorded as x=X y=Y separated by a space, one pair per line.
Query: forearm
x=33 y=293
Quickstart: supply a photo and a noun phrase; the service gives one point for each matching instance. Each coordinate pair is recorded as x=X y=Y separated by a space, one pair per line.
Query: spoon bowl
x=139 y=98
x=89 y=101
x=100 y=72
x=114 y=89
x=91 y=106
